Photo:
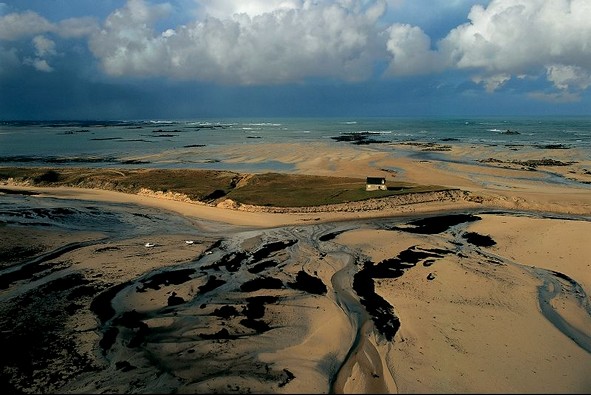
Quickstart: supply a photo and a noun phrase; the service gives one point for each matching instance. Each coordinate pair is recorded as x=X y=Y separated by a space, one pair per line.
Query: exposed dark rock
x=212 y=283
x=478 y=239
x=255 y=307
x=306 y=282
x=124 y=366
x=174 y=300
x=221 y=334
x=270 y=248
x=358 y=138
x=174 y=277
x=231 y=261
x=225 y=312
x=434 y=225
x=262 y=266
x=101 y=304
x=259 y=326
x=381 y=311
x=330 y=236
x=288 y=377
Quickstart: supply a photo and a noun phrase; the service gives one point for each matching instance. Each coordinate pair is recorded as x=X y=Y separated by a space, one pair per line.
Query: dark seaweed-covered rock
x=231 y=261
x=406 y=259
x=434 y=225
x=255 y=307
x=175 y=277
x=124 y=366
x=225 y=312
x=308 y=283
x=413 y=255
x=221 y=334
x=130 y=319
x=478 y=239
x=259 y=326
x=381 y=312
x=329 y=236
x=389 y=268
x=358 y=138
x=101 y=304
x=553 y=146
x=270 y=248
x=140 y=334
x=108 y=338
x=212 y=283
x=134 y=320
x=174 y=300
x=533 y=163
x=288 y=377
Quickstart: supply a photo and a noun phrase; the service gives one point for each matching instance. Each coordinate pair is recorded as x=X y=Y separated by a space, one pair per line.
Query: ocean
x=132 y=143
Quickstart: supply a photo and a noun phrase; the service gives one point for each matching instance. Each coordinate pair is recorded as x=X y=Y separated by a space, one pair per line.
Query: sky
x=192 y=59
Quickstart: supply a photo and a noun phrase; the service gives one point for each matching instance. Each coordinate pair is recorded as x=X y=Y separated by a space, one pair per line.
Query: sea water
x=117 y=142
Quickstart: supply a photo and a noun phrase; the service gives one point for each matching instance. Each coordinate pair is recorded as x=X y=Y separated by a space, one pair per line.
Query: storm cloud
x=544 y=45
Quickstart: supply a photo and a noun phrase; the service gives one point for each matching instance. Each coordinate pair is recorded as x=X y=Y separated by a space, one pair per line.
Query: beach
x=483 y=290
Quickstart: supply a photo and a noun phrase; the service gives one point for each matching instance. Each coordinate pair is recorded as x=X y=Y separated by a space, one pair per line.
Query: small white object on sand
x=149 y=245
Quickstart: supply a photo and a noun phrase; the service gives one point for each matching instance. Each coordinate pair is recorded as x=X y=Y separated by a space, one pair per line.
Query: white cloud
x=521 y=37
x=492 y=82
x=18 y=25
x=77 y=27
x=128 y=44
x=44 y=49
x=224 y=9
x=43 y=46
x=38 y=64
x=288 y=44
x=568 y=76
x=411 y=51
x=15 y=27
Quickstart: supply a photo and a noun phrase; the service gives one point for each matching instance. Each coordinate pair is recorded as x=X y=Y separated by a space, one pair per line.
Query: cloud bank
x=289 y=41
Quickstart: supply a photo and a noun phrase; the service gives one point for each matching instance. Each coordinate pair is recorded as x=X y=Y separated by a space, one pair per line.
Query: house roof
x=376 y=180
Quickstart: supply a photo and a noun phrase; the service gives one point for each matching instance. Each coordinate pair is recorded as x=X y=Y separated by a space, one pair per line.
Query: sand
x=488 y=295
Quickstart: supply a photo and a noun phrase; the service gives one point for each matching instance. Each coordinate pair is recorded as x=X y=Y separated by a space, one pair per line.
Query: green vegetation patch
x=267 y=189
x=295 y=190
x=197 y=184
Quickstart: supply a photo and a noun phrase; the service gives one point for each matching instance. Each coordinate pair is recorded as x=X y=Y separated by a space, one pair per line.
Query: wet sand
x=483 y=293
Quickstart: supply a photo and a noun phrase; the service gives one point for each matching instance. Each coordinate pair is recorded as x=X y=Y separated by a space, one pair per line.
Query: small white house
x=375 y=183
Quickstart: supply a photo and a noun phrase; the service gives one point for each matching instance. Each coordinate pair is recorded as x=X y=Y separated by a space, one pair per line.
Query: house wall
x=375 y=187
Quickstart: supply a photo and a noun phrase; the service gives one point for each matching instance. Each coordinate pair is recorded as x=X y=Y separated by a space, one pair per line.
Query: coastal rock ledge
x=386 y=203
